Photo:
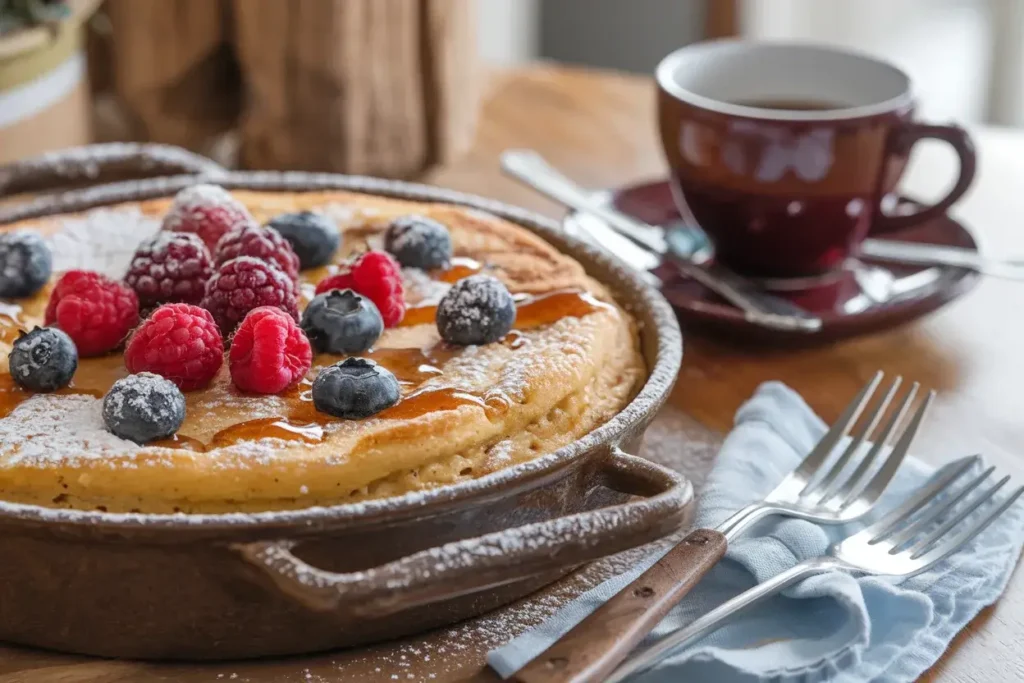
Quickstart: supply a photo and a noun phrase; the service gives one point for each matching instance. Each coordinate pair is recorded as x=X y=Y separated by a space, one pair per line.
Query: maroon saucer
x=866 y=296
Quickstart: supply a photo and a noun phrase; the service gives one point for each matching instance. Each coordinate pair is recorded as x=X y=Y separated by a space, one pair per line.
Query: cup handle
x=904 y=139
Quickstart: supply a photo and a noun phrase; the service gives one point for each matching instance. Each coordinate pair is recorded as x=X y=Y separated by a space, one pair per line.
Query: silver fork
x=817 y=490
x=921 y=532
x=825 y=488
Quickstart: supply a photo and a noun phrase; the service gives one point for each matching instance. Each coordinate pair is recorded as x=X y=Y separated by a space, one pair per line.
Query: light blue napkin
x=830 y=627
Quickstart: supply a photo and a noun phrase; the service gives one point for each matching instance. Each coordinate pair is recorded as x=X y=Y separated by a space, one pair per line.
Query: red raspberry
x=245 y=283
x=265 y=244
x=269 y=352
x=340 y=280
x=171 y=266
x=180 y=342
x=207 y=210
x=95 y=311
x=377 y=276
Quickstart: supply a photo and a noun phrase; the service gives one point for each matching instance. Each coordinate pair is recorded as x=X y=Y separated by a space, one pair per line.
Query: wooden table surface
x=599 y=128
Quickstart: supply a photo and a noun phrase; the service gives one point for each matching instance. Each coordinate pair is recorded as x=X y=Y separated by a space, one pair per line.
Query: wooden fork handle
x=598 y=644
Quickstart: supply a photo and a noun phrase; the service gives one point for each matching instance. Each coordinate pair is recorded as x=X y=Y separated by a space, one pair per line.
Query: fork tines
x=879 y=418
x=945 y=515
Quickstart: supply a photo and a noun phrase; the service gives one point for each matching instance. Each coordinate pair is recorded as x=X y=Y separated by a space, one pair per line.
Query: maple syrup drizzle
x=531 y=311
x=423 y=314
x=432 y=400
x=537 y=311
x=414 y=366
x=284 y=429
x=11 y=323
x=458 y=268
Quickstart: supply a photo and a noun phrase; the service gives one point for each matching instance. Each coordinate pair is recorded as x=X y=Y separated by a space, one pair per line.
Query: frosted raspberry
x=265 y=244
x=245 y=283
x=208 y=211
x=170 y=267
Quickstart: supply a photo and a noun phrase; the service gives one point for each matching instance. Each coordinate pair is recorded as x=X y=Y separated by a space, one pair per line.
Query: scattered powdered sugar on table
x=47 y=427
x=103 y=240
x=453 y=652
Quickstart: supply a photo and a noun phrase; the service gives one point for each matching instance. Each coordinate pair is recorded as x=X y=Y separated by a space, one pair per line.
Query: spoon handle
x=943 y=255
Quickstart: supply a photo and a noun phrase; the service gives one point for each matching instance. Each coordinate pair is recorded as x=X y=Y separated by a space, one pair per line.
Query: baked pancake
x=571 y=362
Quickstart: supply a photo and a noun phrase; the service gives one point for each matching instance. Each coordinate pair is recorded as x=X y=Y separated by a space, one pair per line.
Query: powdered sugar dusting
x=140 y=395
x=420 y=288
x=103 y=240
x=48 y=427
x=347 y=215
x=473 y=299
x=414 y=234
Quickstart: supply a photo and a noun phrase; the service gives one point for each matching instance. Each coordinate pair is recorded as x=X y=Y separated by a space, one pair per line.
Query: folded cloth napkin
x=830 y=627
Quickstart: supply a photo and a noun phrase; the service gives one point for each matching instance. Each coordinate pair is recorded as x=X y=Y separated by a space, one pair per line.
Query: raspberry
x=171 y=266
x=245 y=283
x=180 y=342
x=269 y=352
x=376 y=276
x=208 y=211
x=95 y=311
x=341 y=280
x=265 y=244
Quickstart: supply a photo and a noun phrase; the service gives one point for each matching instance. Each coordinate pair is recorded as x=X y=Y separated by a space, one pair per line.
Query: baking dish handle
x=463 y=567
x=92 y=164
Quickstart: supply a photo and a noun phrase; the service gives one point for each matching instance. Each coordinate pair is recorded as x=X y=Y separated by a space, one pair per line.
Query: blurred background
x=392 y=87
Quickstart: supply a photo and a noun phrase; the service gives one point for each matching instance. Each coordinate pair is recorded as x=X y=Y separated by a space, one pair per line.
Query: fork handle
x=595 y=646
x=713 y=620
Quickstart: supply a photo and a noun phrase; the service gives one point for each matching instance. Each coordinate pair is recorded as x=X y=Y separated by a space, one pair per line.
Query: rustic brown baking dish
x=232 y=586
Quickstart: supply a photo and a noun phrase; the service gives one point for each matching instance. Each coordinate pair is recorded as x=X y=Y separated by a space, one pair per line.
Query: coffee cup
x=783 y=153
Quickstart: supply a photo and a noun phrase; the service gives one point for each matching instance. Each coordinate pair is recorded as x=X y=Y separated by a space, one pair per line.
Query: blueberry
x=45 y=359
x=419 y=242
x=341 y=321
x=25 y=264
x=312 y=235
x=477 y=310
x=143 y=408
x=354 y=388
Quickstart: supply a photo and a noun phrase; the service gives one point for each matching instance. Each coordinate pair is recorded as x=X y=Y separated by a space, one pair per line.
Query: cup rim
x=664 y=75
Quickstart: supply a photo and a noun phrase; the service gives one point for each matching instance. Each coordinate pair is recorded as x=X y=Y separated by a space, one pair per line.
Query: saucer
x=866 y=295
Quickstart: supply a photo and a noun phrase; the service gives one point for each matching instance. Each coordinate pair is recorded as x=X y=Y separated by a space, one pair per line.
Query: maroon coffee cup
x=784 y=152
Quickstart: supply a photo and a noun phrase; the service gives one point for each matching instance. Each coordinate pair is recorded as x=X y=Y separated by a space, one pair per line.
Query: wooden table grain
x=599 y=128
